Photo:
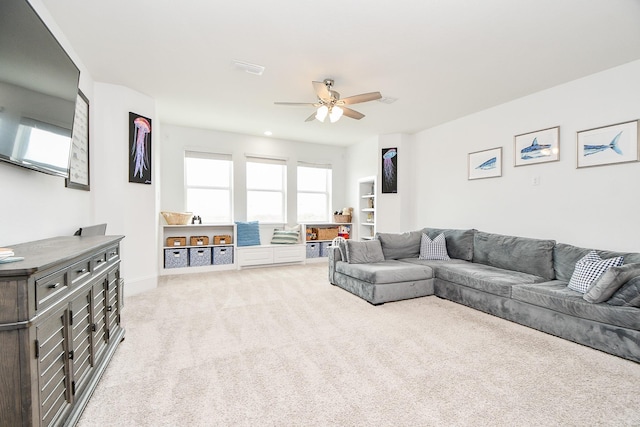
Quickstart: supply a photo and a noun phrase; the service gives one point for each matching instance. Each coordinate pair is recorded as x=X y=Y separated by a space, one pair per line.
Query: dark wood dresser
x=59 y=327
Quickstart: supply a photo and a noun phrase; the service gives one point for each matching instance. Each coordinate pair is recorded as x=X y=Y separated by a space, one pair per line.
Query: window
x=266 y=195
x=208 y=179
x=314 y=193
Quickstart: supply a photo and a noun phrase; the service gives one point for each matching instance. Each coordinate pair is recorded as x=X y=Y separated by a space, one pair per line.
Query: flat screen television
x=38 y=92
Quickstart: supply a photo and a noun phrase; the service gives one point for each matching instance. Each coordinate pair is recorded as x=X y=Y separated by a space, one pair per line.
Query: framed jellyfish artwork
x=389 y=170
x=139 y=149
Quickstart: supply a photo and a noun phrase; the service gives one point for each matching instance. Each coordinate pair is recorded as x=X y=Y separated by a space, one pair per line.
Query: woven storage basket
x=327 y=233
x=177 y=218
x=342 y=218
x=199 y=240
x=223 y=239
x=176 y=241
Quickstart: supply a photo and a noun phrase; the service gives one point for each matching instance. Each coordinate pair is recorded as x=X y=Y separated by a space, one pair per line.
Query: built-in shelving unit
x=320 y=235
x=179 y=258
x=367 y=208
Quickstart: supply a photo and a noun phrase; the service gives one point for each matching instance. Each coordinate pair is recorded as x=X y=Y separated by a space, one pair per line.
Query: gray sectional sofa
x=520 y=279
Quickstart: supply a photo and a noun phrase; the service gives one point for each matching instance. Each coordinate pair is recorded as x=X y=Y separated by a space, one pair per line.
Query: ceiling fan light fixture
x=336 y=113
x=322 y=112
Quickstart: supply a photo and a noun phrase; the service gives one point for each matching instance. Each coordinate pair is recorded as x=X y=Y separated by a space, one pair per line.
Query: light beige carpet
x=282 y=347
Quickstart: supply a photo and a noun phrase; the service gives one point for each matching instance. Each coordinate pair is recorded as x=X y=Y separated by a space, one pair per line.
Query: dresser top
x=42 y=254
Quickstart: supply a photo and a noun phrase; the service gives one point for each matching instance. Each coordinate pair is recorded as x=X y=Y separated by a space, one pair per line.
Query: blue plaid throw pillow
x=589 y=268
x=433 y=249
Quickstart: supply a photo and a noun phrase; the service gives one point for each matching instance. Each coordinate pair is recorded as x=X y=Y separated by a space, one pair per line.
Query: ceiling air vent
x=249 y=68
x=387 y=100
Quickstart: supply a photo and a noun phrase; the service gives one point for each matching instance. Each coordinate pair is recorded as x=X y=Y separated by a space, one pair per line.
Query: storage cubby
x=197 y=247
x=367 y=208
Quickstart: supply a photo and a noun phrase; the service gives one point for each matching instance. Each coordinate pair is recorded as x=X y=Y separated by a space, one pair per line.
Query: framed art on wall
x=485 y=164
x=608 y=145
x=389 y=170
x=79 y=156
x=540 y=146
x=139 y=149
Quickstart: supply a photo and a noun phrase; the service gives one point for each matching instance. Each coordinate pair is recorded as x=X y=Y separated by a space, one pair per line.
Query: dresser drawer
x=50 y=288
x=79 y=272
x=99 y=261
x=113 y=253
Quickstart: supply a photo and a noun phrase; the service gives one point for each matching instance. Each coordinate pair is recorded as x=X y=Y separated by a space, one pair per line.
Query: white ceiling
x=442 y=59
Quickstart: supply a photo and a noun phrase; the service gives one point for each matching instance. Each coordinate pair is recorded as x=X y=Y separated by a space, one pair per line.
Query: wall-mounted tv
x=38 y=92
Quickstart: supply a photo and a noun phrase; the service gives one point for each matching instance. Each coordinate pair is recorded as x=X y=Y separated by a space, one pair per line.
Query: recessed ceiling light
x=268 y=133
x=249 y=68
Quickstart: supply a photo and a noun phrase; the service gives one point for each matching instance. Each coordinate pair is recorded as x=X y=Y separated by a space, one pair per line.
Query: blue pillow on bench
x=248 y=233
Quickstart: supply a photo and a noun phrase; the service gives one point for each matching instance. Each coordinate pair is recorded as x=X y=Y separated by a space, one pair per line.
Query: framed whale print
x=608 y=145
x=540 y=146
x=485 y=164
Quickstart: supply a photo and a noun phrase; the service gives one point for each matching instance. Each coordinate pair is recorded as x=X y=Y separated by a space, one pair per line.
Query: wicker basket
x=223 y=239
x=177 y=218
x=342 y=218
x=199 y=240
x=176 y=241
x=327 y=233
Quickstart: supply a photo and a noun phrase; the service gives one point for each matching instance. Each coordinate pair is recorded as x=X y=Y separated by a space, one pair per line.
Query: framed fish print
x=608 y=145
x=540 y=146
x=485 y=164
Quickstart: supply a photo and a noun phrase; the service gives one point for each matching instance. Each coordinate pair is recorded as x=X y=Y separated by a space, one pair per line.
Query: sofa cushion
x=565 y=258
x=390 y=271
x=589 y=269
x=400 y=245
x=363 y=252
x=610 y=282
x=459 y=242
x=484 y=277
x=628 y=295
x=433 y=249
x=532 y=256
x=555 y=295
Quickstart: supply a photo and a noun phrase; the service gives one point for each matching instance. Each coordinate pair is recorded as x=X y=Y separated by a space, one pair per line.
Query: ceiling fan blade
x=363 y=97
x=311 y=118
x=299 y=104
x=321 y=90
x=351 y=113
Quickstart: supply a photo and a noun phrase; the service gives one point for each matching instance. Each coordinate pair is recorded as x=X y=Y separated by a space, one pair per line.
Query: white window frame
x=212 y=186
x=282 y=190
x=328 y=189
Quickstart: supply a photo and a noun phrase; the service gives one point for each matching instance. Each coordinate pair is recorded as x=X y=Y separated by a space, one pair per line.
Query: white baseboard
x=139 y=285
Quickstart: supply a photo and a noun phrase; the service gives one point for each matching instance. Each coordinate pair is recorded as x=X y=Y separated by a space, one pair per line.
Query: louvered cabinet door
x=113 y=303
x=81 y=350
x=53 y=367
x=99 y=309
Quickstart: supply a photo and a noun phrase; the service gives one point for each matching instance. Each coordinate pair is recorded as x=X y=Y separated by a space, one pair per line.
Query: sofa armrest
x=334 y=257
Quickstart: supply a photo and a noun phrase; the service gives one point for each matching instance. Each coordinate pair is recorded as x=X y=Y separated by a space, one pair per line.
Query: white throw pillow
x=589 y=268
x=435 y=249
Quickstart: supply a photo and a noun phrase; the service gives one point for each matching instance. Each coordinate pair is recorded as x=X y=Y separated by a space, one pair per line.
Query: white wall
x=592 y=207
x=176 y=139
x=34 y=205
x=129 y=209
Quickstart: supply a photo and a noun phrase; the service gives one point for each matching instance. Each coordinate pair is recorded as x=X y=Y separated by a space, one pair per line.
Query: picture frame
x=485 y=164
x=139 y=149
x=389 y=167
x=541 y=146
x=79 y=168
x=607 y=145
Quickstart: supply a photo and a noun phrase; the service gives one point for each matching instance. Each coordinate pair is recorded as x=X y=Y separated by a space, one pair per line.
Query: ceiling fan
x=329 y=103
